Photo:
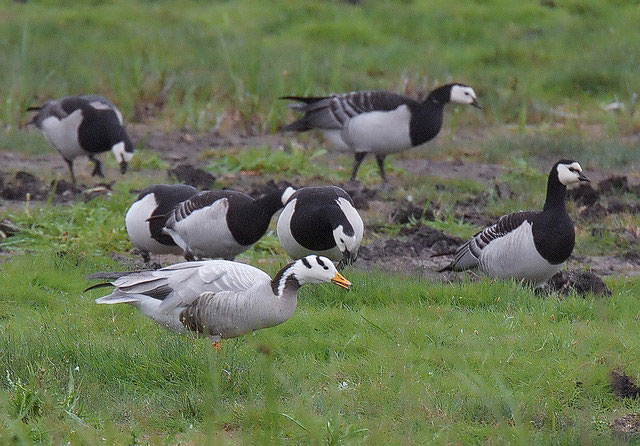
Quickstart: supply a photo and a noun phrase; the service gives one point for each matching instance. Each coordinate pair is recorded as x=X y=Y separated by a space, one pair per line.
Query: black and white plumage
x=378 y=122
x=222 y=223
x=144 y=229
x=527 y=245
x=218 y=298
x=321 y=220
x=84 y=126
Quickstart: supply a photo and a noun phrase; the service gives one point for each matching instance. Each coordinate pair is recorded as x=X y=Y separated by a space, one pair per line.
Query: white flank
x=204 y=233
x=335 y=139
x=379 y=132
x=138 y=227
x=63 y=134
x=515 y=255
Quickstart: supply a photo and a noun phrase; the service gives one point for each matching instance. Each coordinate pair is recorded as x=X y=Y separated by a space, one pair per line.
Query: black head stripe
x=321 y=263
x=305 y=262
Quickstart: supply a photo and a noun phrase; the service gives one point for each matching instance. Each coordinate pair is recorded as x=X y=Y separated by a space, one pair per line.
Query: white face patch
x=120 y=153
x=462 y=95
x=569 y=174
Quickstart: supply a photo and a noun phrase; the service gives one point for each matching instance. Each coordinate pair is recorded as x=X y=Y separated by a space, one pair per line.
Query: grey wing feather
x=332 y=112
x=468 y=255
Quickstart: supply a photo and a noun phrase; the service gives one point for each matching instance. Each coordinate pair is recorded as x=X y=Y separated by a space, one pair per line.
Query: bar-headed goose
x=528 y=245
x=378 y=122
x=84 y=126
x=218 y=298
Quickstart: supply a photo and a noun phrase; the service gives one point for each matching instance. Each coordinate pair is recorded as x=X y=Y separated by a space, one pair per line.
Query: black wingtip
x=446 y=268
x=99 y=285
x=34 y=108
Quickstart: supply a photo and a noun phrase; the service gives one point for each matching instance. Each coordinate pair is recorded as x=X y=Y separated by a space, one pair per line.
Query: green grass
x=530 y=63
x=390 y=361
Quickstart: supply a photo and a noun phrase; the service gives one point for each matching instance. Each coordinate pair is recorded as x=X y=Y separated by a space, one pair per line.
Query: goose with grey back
x=321 y=220
x=84 y=126
x=377 y=122
x=217 y=298
x=145 y=231
x=222 y=223
x=527 y=245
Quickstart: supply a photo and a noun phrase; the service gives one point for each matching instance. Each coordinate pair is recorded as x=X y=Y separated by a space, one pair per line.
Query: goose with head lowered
x=84 y=126
x=217 y=298
x=222 y=223
x=321 y=220
x=377 y=122
x=527 y=245
x=145 y=231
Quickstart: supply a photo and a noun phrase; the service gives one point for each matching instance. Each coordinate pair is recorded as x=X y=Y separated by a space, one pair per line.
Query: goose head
x=463 y=94
x=570 y=173
x=318 y=269
x=347 y=243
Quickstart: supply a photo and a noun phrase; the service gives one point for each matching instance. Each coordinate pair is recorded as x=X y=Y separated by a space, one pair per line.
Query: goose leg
x=380 y=160
x=97 y=169
x=357 y=160
x=145 y=256
x=70 y=164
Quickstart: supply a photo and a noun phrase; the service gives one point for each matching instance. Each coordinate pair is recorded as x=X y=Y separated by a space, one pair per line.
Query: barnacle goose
x=321 y=220
x=222 y=223
x=145 y=231
x=378 y=122
x=217 y=298
x=528 y=245
x=84 y=126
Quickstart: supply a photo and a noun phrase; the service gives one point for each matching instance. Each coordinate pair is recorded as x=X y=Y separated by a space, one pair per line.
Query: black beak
x=583 y=177
x=476 y=104
x=349 y=258
x=123 y=167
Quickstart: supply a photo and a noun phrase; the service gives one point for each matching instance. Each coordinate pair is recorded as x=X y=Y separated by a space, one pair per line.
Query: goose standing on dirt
x=145 y=231
x=321 y=220
x=84 y=126
x=378 y=122
x=528 y=245
x=222 y=223
x=218 y=298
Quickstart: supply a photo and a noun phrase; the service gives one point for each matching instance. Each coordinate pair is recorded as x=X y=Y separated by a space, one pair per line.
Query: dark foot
x=97 y=168
x=358 y=157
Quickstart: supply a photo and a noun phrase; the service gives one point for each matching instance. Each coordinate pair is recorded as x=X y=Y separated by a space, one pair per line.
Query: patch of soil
x=476 y=218
x=503 y=190
x=20 y=185
x=260 y=190
x=616 y=206
x=594 y=213
x=584 y=195
x=582 y=282
x=408 y=211
x=622 y=385
x=483 y=172
x=627 y=425
x=614 y=185
x=359 y=194
x=412 y=251
x=193 y=176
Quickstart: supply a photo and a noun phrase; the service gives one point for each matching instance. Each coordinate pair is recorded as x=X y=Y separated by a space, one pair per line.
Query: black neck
x=250 y=221
x=439 y=96
x=556 y=194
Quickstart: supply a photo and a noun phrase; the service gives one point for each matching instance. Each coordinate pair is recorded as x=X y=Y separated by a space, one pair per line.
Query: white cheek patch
x=462 y=95
x=567 y=177
x=338 y=234
x=120 y=153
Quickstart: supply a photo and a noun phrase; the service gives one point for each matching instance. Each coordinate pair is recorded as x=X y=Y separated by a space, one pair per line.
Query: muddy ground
x=416 y=249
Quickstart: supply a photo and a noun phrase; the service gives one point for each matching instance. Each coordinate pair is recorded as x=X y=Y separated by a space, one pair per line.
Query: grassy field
x=394 y=361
